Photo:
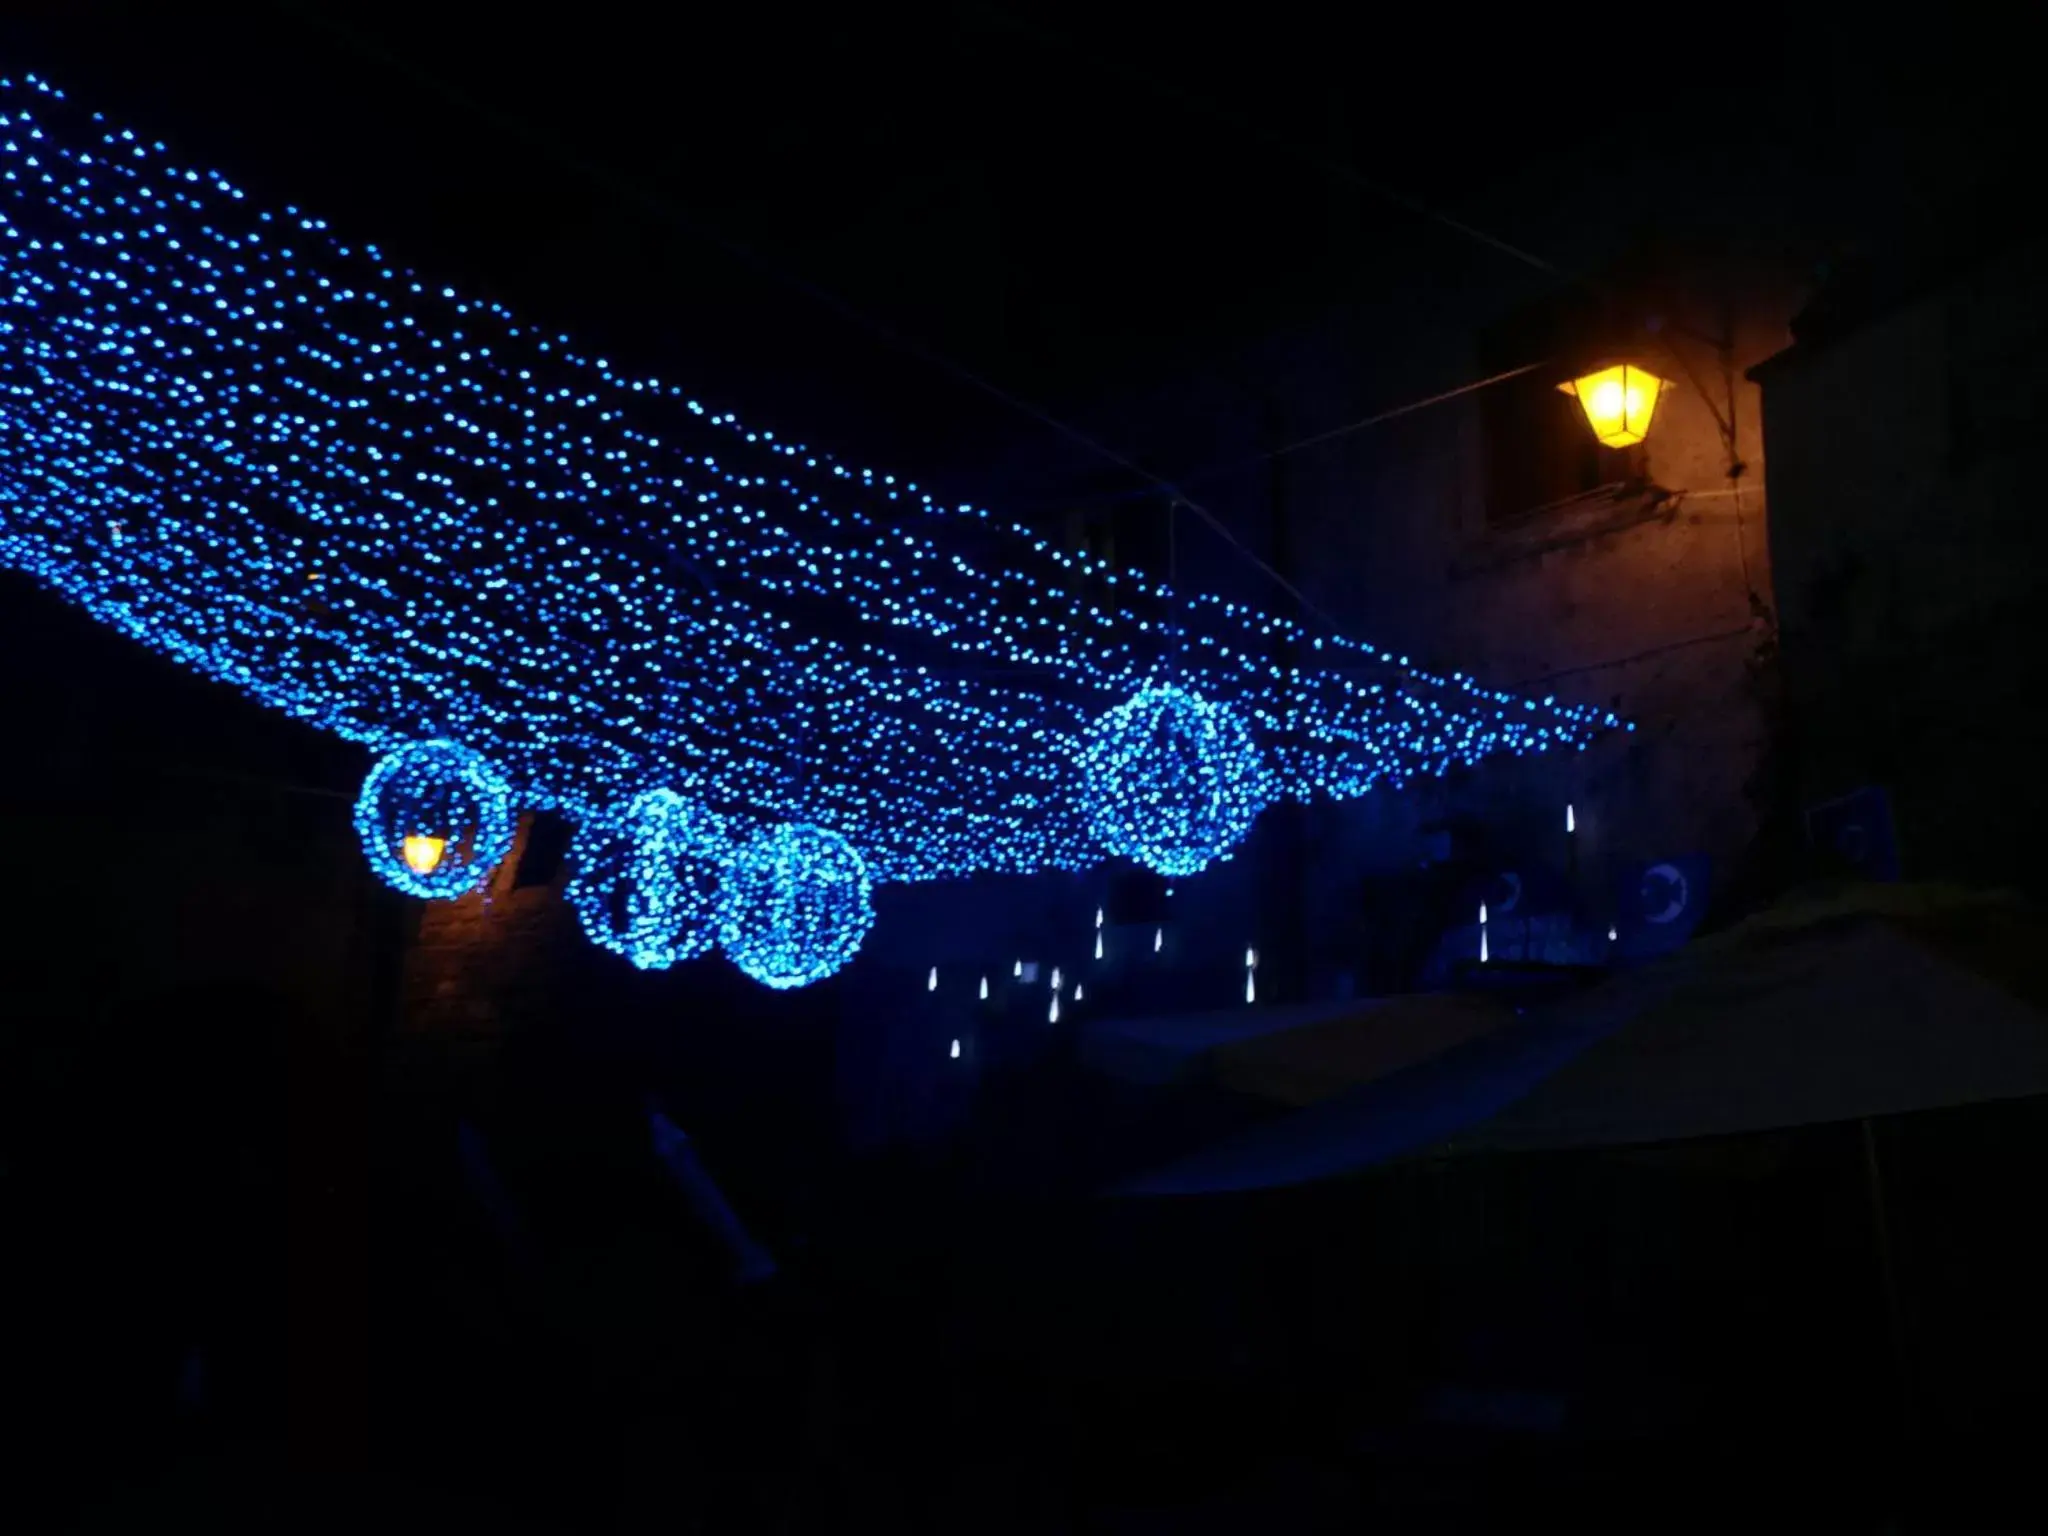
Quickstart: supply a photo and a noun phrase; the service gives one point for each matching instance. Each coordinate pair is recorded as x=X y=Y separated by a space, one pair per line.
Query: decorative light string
x=403 y=515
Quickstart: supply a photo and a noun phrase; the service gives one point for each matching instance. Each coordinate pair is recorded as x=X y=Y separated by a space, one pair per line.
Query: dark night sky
x=1052 y=195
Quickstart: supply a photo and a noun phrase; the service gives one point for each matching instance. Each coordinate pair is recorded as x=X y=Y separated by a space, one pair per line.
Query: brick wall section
x=480 y=966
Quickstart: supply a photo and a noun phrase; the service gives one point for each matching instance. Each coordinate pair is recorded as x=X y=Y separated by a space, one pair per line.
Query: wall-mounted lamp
x=1618 y=402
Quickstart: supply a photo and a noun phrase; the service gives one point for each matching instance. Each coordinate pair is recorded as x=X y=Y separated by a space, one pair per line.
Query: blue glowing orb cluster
x=1171 y=780
x=434 y=819
x=645 y=877
x=402 y=514
x=795 y=905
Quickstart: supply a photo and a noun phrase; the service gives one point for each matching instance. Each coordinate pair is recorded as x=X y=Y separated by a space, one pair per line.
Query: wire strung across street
x=670 y=211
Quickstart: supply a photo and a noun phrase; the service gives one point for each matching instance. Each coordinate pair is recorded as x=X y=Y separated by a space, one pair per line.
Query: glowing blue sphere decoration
x=1171 y=780
x=645 y=879
x=795 y=905
x=435 y=818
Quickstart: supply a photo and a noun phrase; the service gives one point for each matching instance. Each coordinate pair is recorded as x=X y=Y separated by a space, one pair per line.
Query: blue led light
x=434 y=819
x=1171 y=780
x=645 y=879
x=794 y=906
x=401 y=514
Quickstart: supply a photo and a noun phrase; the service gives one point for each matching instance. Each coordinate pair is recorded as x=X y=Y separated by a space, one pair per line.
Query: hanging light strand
x=401 y=514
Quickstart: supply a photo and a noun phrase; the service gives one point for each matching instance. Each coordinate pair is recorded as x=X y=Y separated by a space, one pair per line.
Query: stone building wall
x=1911 y=556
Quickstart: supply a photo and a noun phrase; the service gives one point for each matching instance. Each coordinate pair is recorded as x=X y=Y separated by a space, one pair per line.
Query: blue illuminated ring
x=439 y=789
x=646 y=876
x=1171 y=780
x=795 y=905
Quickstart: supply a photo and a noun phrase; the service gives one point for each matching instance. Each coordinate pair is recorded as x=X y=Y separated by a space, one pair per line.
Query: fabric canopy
x=1294 y=1055
x=1874 y=1002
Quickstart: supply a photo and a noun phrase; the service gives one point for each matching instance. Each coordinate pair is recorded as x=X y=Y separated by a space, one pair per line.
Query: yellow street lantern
x=423 y=852
x=1618 y=402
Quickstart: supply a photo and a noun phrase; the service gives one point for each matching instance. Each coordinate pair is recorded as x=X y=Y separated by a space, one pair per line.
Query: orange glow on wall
x=1618 y=402
x=423 y=852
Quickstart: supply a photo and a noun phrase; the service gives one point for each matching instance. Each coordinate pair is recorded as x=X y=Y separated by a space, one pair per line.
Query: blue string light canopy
x=1171 y=780
x=402 y=514
x=434 y=819
x=645 y=878
x=795 y=905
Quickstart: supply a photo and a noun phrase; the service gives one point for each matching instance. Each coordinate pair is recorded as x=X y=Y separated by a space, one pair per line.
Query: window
x=1538 y=451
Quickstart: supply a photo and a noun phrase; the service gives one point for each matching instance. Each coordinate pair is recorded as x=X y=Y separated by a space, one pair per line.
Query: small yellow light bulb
x=423 y=852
